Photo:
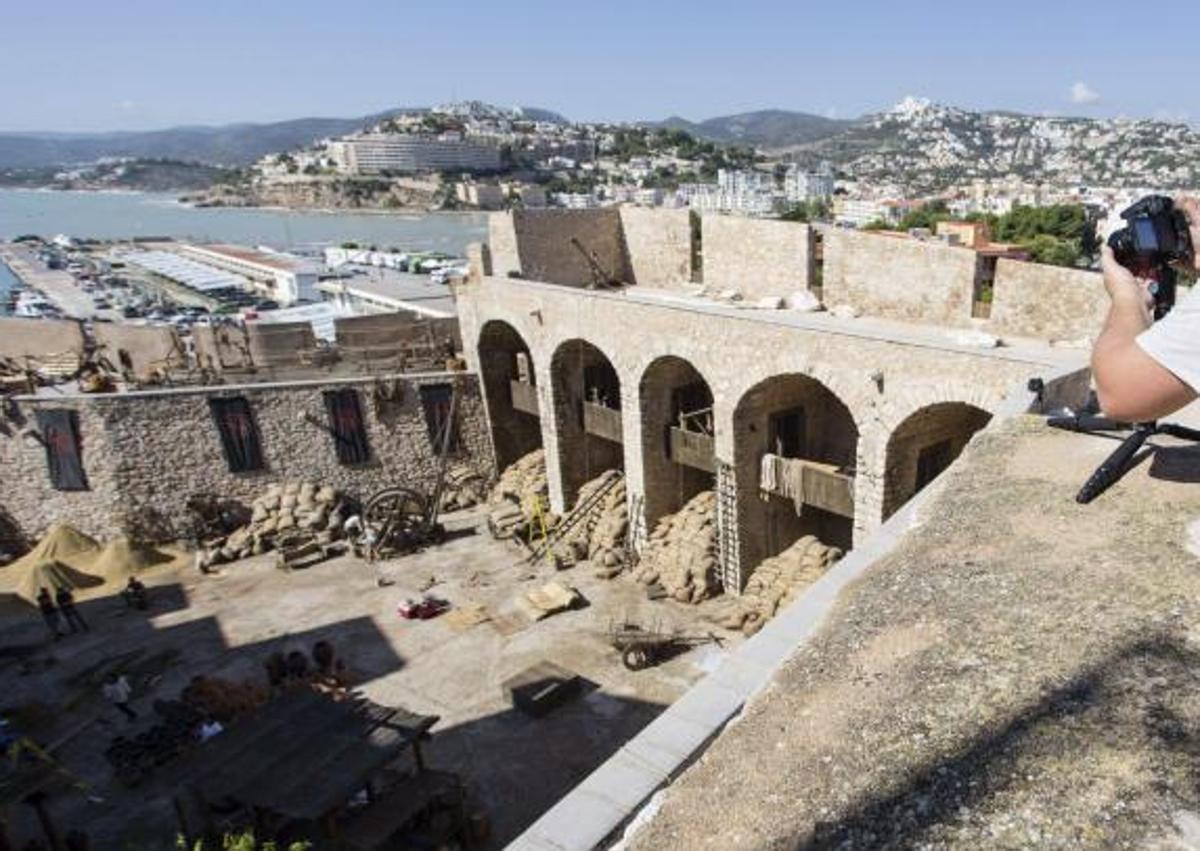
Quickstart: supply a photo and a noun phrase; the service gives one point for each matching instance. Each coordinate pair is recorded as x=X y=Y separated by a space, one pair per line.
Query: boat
x=33 y=305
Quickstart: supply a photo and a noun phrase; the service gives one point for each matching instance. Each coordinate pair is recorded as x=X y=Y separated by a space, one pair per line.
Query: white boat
x=33 y=305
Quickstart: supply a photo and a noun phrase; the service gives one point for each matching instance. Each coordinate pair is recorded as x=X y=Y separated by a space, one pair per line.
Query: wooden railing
x=693 y=449
x=602 y=422
x=822 y=485
x=524 y=397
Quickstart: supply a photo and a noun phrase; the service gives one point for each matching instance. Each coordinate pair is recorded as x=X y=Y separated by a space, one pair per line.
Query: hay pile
x=515 y=498
x=600 y=537
x=284 y=508
x=777 y=581
x=681 y=554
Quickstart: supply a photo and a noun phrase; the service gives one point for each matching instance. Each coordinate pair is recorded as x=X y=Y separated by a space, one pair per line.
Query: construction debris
x=519 y=498
x=681 y=554
x=288 y=516
x=776 y=582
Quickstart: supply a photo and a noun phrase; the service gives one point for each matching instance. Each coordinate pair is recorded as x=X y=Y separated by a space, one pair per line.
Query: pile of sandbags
x=777 y=581
x=285 y=510
x=518 y=496
x=681 y=554
x=465 y=488
x=599 y=537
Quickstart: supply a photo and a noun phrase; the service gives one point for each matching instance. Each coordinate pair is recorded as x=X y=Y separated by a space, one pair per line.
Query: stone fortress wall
x=145 y=453
x=909 y=397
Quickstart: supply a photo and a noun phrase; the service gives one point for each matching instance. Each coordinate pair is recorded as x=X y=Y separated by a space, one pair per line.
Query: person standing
x=49 y=612
x=117 y=690
x=66 y=605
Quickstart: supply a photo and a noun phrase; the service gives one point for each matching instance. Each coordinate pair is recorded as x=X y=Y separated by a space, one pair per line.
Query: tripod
x=1118 y=464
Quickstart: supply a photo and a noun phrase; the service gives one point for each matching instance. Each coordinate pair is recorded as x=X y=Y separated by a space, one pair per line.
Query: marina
x=125 y=215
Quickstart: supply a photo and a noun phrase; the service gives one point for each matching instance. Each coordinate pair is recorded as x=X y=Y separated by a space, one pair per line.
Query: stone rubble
x=681 y=554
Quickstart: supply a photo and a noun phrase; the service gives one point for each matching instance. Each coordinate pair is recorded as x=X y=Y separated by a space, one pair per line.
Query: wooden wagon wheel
x=397 y=516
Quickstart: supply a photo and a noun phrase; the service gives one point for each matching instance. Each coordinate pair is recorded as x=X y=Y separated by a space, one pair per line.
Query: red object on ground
x=422 y=610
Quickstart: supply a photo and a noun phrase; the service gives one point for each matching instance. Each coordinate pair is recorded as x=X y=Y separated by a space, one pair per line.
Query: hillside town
x=634 y=469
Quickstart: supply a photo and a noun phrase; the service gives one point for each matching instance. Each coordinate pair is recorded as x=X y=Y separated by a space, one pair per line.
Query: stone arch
x=678 y=439
x=586 y=394
x=794 y=418
x=510 y=389
x=924 y=444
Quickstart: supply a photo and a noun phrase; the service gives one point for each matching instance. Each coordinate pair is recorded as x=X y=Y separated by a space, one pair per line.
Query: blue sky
x=113 y=64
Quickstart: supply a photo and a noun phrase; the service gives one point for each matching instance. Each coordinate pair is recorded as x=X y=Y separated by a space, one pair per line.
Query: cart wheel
x=635 y=658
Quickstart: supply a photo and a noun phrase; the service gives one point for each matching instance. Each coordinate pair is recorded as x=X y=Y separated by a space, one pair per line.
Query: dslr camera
x=1154 y=240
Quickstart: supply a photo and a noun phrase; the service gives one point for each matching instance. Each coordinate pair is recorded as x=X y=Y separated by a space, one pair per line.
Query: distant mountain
x=228 y=145
x=918 y=146
x=769 y=129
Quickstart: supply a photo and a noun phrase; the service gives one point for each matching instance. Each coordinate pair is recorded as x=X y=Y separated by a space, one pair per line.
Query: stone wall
x=544 y=251
x=1047 y=302
x=659 y=243
x=502 y=245
x=145 y=453
x=880 y=377
x=756 y=257
x=21 y=338
x=898 y=278
x=142 y=349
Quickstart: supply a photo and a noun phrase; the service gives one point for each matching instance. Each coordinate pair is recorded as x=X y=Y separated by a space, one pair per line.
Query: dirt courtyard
x=515 y=766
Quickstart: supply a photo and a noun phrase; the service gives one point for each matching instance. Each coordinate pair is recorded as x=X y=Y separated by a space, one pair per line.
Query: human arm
x=1135 y=382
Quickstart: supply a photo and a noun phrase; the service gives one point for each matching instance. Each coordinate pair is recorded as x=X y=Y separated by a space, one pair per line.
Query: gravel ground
x=1021 y=672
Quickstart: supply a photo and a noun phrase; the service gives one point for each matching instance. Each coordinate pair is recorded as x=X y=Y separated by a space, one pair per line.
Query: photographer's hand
x=1131 y=385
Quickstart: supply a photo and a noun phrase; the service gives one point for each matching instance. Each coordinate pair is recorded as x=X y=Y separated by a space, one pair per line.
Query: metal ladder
x=578 y=514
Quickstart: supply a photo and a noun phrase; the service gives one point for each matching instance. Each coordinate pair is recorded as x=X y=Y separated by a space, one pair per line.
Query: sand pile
x=52 y=575
x=681 y=554
x=122 y=558
x=63 y=544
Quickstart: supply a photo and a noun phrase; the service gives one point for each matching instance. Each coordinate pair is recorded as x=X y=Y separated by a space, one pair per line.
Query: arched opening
x=678 y=447
x=795 y=445
x=924 y=445
x=587 y=410
x=510 y=386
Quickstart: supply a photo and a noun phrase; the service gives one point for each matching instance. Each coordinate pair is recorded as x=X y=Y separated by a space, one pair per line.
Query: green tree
x=1052 y=250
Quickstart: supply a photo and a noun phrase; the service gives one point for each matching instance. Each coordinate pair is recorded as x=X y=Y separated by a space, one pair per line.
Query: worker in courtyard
x=135 y=594
x=49 y=612
x=1145 y=370
x=117 y=692
x=66 y=606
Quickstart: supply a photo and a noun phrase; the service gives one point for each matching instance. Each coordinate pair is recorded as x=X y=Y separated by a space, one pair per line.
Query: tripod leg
x=1114 y=467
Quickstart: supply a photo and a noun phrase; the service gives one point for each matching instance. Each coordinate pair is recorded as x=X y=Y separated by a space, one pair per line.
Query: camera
x=1155 y=238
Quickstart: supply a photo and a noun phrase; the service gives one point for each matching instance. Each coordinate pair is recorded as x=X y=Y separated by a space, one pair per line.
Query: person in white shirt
x=1146 y=370
x=117 y=691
